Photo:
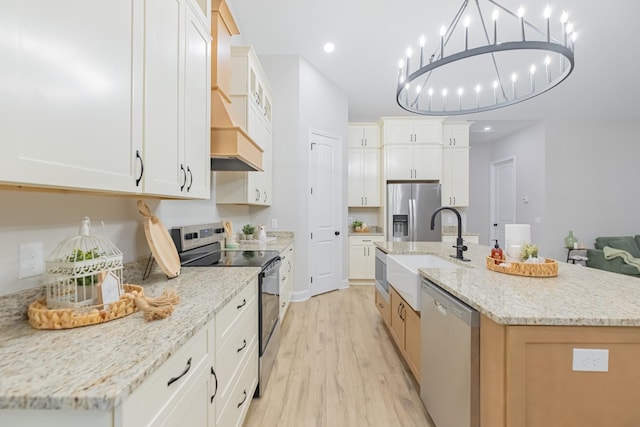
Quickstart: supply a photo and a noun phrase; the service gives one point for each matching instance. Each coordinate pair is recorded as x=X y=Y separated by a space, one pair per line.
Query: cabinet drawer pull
x=243 y=399
x=138 y=179
x=244 y=345
x=184 y=174
x=215 y=377
x=190 y=178
x=244 y=302
x=174 y=379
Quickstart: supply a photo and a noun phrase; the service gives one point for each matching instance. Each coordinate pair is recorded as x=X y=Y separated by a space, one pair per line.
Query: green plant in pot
x=248 y=231
x=357 y=225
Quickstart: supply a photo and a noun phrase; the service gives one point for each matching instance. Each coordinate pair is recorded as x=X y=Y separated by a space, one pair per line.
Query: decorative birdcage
x=78 y=267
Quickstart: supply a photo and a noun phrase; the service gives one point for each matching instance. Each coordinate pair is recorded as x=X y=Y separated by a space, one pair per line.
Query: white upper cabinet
x=71 y=94
x=252 y=109
x=177 y=103
x=364 y=164
x=365 y=135
x=412 y=131
x=251 y=94
x=455 y=164
x=100 y=104
x=455 y=134
x=412 y=149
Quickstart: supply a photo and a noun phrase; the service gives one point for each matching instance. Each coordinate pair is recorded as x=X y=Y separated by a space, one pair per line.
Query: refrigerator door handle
x=412 y=219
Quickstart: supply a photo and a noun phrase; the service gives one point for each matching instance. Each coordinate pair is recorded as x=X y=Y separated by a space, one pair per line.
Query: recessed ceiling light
x=487 y=128
x=329 y=47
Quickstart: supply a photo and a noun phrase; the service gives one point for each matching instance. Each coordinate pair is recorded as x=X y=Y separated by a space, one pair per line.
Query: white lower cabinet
x=209 y=381
x=287 y=279
x=161 y=395
x=362 y=257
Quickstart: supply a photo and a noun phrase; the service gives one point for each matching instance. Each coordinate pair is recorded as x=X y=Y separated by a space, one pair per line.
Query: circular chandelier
x=482 y=67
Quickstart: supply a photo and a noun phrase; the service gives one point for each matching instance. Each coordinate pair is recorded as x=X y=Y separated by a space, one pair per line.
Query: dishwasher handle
x=447 y=304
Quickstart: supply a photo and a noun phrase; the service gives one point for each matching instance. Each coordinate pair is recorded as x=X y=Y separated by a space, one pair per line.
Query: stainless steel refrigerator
x=409 y=209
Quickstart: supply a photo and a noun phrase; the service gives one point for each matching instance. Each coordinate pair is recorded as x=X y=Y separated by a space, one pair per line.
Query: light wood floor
x=338 y=367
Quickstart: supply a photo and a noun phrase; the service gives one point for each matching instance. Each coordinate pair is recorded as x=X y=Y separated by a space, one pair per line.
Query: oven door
x=269 y=301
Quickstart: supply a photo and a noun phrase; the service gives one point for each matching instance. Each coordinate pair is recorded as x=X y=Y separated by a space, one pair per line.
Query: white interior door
x=324 y=222
x=503 y=197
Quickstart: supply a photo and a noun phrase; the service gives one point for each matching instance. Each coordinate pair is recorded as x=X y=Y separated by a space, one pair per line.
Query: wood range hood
x=232 y=149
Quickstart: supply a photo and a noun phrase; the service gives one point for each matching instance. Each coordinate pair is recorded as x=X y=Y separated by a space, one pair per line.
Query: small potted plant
x=529 y=253
x=248 y=231
x=357 y=225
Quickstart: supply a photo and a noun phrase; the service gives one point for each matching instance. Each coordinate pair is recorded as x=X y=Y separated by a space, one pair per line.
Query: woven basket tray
x=42 y=317
x=548 y=269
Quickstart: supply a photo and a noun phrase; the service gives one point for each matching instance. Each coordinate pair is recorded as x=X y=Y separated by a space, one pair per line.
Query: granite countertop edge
x=578 y=296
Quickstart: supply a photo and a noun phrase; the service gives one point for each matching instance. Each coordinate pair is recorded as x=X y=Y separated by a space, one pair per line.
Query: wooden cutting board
x=162 y=247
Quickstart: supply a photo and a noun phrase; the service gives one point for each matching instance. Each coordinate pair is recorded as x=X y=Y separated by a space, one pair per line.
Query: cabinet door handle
x=190 y=178
x=243 y=399
x=174 y=379
x=184 y=174
x=138 y=179
x=244 y=345
x=366 y=201
x=283 y=304
x=215 y=378
x=244 y=302
x=380 y=305
x=265 y=197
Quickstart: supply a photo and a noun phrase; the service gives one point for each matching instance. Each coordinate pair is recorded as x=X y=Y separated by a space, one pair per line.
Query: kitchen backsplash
x=50 y=217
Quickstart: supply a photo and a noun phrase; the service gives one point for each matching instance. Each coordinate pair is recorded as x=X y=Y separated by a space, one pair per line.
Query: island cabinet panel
x=384 y=307
x=538 y=387
x=405 y=330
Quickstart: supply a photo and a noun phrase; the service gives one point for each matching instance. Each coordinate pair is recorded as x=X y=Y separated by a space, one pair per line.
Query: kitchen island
x=529 y=328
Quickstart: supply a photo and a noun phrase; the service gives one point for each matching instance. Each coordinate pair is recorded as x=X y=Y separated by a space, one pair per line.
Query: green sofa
x=630 y=244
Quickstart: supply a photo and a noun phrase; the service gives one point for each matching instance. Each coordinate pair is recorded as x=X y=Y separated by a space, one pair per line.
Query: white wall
x=478 y=211
x=49 y=217
x=304 y=100
x=579 y=175
x=592 y=180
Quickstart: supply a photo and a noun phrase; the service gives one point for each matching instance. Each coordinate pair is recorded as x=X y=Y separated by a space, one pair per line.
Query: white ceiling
x=372 y=35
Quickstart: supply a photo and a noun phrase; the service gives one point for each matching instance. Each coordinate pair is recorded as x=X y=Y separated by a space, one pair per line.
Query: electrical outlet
x=274 y=223
x=31 y=260
x=590 y=360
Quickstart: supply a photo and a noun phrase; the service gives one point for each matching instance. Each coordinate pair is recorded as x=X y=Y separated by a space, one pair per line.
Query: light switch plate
x=31 y=260
x=590 y=360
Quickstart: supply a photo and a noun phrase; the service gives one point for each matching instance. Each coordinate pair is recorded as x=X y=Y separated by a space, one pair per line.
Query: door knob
x=337 y=233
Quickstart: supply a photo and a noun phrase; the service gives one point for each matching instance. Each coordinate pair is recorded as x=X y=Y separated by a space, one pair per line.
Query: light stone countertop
x=578 y=296
x=282 y=240
x=97 y=367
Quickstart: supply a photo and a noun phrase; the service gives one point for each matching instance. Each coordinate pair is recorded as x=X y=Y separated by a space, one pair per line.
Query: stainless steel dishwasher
x=450 y=355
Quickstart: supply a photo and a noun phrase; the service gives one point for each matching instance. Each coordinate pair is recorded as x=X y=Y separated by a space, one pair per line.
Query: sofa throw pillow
x=626 y=243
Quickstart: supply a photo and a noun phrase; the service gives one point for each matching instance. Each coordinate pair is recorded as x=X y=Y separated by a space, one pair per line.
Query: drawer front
x=233 y=411
x=365 y=240
x=227 y=318
x=155 y=393
x=235 y=350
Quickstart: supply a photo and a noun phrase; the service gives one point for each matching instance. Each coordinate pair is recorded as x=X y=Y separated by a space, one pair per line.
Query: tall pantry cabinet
x=364 y=164
x=455 y=164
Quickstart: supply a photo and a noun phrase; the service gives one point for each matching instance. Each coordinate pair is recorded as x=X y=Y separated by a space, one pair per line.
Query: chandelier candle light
x=517 y=49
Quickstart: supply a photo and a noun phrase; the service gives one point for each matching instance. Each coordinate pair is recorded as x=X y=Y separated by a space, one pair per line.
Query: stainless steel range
x=199 y=246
